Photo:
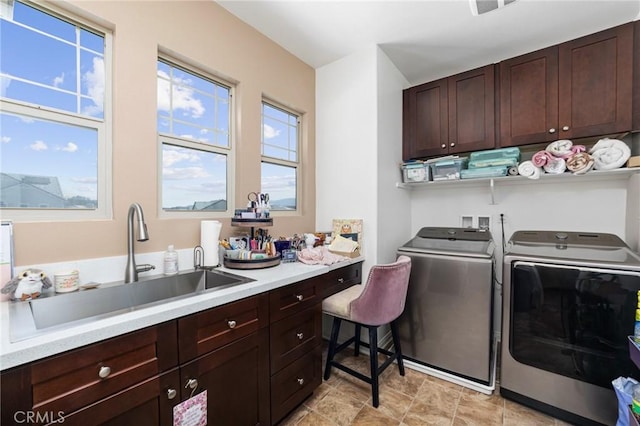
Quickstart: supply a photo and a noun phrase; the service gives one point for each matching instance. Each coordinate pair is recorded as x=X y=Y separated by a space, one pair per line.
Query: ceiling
x=426 y=39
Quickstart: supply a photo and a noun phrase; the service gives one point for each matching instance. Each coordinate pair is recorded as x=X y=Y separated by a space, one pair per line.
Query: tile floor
x=416 y=399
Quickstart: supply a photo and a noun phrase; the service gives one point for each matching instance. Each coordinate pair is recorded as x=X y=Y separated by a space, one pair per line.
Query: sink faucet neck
x=131 y=271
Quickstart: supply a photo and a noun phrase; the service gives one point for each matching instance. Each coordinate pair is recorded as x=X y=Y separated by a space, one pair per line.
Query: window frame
x=229 y=152
x=297 y=165
x=103 y=127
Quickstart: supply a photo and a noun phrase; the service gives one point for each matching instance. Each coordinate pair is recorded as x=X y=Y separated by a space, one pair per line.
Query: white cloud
x=94 y=80
x=26 y=119
x=182 y=97
x=269 y=132
x=173 y=156
x=57 y=81
x=88 y=179
x=6 y=139
x=181 y=173
x=39 y=146
x=70 y=147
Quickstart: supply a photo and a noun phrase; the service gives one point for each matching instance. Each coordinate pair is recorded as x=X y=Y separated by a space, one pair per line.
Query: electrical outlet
x=466 y=221
x=484 y=222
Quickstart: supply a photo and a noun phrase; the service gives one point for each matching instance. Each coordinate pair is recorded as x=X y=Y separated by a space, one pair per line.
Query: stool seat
x=379 y=301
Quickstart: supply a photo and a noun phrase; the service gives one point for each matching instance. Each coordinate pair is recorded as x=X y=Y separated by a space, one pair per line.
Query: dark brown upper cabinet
x=576 y=89
x=636 y=75
x=451 y=115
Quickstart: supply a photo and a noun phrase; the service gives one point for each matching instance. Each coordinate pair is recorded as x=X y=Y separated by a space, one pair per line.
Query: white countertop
x=54 y=342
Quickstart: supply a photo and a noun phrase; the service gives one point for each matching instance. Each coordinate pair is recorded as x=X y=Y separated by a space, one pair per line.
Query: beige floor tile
x=355 y=388
x=409 y=384
x=437 y=395
x=295 y=417
x=339 y=407
x=315 y=419
x=519 y=415
x=320 y=392
x=393 y=404
x=478 y=412
x=421 y=414
x=369 y=416
x=471 y=395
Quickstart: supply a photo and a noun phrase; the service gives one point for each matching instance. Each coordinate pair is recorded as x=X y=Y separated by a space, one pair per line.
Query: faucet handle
x=145 y=267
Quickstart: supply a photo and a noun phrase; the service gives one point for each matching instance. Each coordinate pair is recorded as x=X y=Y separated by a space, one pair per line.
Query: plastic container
x=448 y=169
x=170 y=261
x=67 y=281
x=484 y=172
x=635 y=402
x=636 y=329
x=415 y=172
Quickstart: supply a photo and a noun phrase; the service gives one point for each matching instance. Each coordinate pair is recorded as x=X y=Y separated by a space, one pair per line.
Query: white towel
x=555 y=166
x=528 y=169
x=560 y=148
x=579 y=163
x=609 y=154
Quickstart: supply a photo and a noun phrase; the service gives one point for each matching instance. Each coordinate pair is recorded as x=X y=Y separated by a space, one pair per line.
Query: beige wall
x=207 y=35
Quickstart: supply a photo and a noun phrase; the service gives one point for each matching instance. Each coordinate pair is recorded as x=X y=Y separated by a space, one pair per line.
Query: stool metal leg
x=396 y=343
x=356 y=351
x=373 y=356
x=335 y=331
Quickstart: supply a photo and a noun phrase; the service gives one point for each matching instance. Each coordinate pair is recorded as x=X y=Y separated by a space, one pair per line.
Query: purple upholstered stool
x=379 y=301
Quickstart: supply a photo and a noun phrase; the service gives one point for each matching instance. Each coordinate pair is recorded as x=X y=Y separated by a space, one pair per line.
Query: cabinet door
x=529 y=98
x=595 y=84
x=295 y=336
x=472 y=110
x=236 y=378
x=426 y=131
x=636 y=76
x=149 y=403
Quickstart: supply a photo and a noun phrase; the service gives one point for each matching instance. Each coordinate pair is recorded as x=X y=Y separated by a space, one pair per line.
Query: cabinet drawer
x=295 y=298
x=73 y=380
x=206 y=331
x=295 y=336
x=339 y=279
x=295 y=383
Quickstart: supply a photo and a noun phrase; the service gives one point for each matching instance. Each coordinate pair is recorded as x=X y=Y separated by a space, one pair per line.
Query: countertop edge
x=22 y=352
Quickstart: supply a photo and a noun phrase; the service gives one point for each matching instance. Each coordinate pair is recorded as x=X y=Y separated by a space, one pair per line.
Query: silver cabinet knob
x=231 y=324
x=340 y=280
x=104 y=372
x=565 y=128
x=300 y=381
x=299 y=297
x=300 y=335
x=452 y=144
x=552 y=130
x=443 y=146
x=171 y=393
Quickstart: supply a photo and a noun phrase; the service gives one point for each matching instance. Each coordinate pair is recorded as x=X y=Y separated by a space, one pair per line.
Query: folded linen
x=528 y=169
x=541 y=158
x=609 y=154
x=580 y=163
x=555 y=166
x=560 y=148
x=319 y=256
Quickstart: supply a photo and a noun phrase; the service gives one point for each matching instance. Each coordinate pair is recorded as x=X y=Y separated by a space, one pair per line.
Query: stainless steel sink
x=34 y=317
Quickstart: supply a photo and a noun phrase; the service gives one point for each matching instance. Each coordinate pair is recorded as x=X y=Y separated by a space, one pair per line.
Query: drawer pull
x=552 y=130
x=341 y=280
x=104 y=372
x=299 y=297
x=300 y=381
x=171 y=393
x=231 y=323
x=300 y=335
x=193 y=385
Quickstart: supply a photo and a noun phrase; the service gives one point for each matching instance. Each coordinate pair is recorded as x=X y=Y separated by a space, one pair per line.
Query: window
x=280 y=167
x=193 y=127
x=54 y=115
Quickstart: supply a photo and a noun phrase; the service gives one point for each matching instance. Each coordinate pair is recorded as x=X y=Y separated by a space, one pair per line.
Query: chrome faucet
x=131 y=272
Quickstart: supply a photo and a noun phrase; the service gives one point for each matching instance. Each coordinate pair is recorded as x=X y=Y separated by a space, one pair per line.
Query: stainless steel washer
x=447 y=321
x=569 y=301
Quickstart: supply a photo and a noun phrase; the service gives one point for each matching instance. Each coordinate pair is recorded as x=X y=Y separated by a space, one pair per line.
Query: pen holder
x=281 y=246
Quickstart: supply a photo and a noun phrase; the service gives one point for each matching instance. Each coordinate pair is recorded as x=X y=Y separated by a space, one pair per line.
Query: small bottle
x=170 y=261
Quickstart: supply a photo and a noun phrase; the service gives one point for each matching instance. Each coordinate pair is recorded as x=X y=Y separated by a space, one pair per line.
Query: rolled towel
x=609 y=154
x=555 y=166
x=578 y=148
x=580 y=163
x=528 y=169
x=560 y=148
x=541 y=158
x=513 y=171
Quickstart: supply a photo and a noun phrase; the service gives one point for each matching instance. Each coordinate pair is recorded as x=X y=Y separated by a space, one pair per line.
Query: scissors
x=264 y=199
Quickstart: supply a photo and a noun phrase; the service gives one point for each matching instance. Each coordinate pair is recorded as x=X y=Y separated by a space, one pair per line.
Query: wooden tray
x=251 y=263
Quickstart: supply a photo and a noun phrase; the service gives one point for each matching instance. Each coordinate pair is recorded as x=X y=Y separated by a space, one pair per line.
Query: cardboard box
x=634 y=161
x=351 y=254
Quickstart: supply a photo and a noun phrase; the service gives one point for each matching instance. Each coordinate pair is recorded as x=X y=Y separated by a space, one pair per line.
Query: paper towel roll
x=209 y=240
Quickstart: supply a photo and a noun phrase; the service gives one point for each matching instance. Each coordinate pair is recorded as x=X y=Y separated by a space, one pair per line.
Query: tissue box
x=349 y=254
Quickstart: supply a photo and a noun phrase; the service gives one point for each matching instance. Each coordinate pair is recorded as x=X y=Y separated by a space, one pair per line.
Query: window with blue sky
x=194 y=119
x=280 y=147
x=52 y=116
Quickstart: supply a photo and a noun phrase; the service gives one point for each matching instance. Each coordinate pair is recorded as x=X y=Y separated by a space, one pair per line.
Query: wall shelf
x=546 y=178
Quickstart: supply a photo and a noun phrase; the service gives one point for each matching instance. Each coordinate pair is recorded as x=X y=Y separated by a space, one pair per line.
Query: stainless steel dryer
x=569 y=301
x=447 y=321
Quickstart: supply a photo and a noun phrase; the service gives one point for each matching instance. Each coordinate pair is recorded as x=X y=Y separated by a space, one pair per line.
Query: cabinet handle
x=552 y=130
x=193 y=385
x=299 y=297
x=300 y=335
x=104 y=372
x=340 y=280
x=443 y=146
x=565 y=128
x=231 y=324
x=452 y=144
x=171 y=393
x=300 y=381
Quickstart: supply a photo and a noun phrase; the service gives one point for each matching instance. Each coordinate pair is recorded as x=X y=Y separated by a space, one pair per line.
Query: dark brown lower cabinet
x=236 y=378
